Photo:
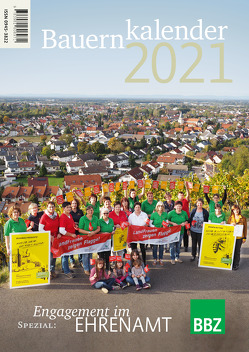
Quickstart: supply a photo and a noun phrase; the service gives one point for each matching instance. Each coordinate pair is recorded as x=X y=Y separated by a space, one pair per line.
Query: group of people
x=107 y=218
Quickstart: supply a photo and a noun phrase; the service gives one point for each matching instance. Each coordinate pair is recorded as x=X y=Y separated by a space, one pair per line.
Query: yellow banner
x=119 y=239
x=30 y=259
x=117 y=186
x=217 y=246
x=69 y=196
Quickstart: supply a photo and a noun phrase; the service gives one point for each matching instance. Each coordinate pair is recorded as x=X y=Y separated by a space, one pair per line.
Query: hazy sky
x=86 y=72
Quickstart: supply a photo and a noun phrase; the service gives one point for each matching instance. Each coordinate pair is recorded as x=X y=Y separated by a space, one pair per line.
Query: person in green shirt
x=218 y=217
x=14 y=224
x=149 y=205
x=216 y=200
x=89 y=226
x=106 y=225
x=177 y=217
x=133 y=197
x=156 y=220
x=93 y=200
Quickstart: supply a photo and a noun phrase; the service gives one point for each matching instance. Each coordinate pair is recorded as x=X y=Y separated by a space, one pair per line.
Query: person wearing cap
x=88 y=226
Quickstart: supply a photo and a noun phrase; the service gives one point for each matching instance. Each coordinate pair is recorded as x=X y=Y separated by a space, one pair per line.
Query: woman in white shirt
x=138 y=218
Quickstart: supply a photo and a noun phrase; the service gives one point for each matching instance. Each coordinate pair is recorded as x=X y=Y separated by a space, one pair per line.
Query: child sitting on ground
x=138 y=273
x=119 y=274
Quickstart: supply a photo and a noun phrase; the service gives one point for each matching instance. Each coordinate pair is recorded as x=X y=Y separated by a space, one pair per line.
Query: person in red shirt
x=185 y=207
x=50 y=222
x=118 y=216
x=67 y=228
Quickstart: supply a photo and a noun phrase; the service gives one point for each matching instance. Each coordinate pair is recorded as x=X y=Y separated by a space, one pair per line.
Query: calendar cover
x=158 y=52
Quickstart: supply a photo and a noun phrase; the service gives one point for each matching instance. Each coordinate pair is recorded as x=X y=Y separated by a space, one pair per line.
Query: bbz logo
x=206 y=325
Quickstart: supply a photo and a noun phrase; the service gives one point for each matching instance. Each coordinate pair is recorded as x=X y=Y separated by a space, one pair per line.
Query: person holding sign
x=50 y=222
x=14 y=224
x=119 y=217
x=177 y=217
x=218 y=217
x=133 y=197
x=93 y=200
x=237 y=219
x=198 y=216
x=89 y=226
x=34 y=218
x=185 y=207
x=67 y=228
x=149 y=205
x=139 y=218
x=156 y=220
x=76 y=213
x=106 y=225
x=216 y=200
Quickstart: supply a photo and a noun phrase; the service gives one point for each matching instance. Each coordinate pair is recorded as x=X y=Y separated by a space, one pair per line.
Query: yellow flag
x=196 y=187
x=87 y=192
x=117 y=187
x=147 y=183
x=105 y=187
x=163 y=184
x=132 y=184
x=69 y=196
x=215 y=189
x=180 y=184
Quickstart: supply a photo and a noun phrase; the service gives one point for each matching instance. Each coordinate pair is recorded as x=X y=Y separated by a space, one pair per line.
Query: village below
x=50 y=146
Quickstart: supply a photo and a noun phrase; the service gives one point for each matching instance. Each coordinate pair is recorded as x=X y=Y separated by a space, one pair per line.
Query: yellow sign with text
x=29 y=259
x=120 y=239
x=217 y=246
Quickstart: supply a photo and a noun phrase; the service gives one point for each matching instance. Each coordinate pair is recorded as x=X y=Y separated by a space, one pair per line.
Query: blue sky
x=102 y=72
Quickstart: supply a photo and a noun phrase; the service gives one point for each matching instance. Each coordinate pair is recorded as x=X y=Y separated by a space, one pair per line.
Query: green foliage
x=33 y=198
x=237 y=163
x=47 y=151
x=43 y=171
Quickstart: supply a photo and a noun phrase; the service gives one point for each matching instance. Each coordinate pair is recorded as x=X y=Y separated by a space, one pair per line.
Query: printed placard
x=96 y=189
x=125 y=185
x=215 y=189
x=111 y=187
x=172 y=185
x=180 y=185
x=163 y=184
x=117 y=186
x=217 y=246
x=105 y=187
x=59 y=199
x=132 y=184
x=155 y=184
x=206 y=189
x=140 y=183
x=147 y=183
x=29 y=259
x=69 y=196
x=87 y=192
